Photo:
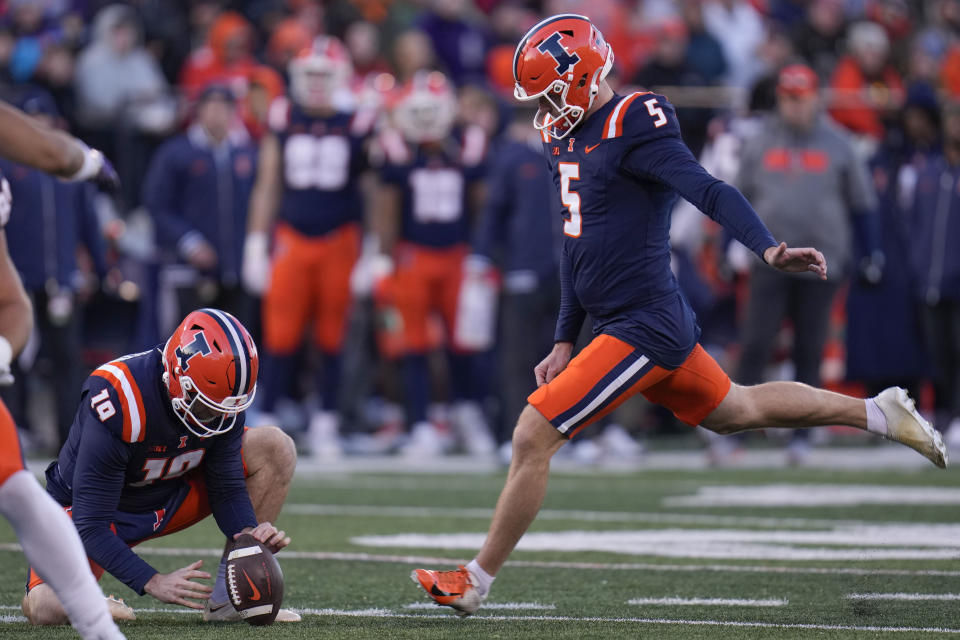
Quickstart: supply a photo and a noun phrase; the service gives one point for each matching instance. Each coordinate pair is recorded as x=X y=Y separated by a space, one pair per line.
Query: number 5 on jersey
x=570 y=199
x=656 y=112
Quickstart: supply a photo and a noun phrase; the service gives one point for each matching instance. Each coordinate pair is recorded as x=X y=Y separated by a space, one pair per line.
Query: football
x=254 y=581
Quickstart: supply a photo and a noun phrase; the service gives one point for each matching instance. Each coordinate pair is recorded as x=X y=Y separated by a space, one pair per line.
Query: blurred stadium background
x=641 y=532
x=112 y=276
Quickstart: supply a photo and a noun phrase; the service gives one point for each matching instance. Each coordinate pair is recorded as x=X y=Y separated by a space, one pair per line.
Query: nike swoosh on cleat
x=439 y=592
x=218 y=607
x=590 y=148
x=256 y=592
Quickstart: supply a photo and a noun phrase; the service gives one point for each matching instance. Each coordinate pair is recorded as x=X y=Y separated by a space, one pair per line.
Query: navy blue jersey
x=435 y=183
x=320 y=160
x=618 y=175
x=124 y=465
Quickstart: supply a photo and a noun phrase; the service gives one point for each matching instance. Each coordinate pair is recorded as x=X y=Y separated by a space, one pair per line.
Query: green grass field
x=797 y=553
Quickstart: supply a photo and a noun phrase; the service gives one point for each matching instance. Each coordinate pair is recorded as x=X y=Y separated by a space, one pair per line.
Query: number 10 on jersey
x=570 y=199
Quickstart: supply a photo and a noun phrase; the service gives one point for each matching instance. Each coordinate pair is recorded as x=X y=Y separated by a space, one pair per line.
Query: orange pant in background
x=426 y=281
x=309 y=281
x=11 y=457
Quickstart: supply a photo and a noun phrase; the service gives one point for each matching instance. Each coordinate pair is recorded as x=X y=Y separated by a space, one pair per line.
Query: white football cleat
x=906 y=426
x=425 y=442
x=618 y=444
x=225 y=612
x=323 y=436
x=119 y=609
x=471 y=425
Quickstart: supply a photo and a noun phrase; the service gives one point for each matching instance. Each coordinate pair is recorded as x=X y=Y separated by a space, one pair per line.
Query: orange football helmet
x=210 y=368
x=562 y=59
x=425 y=108
x=319 y=72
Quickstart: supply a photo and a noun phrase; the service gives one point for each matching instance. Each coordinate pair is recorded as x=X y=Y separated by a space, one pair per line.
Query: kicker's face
x=546 y=106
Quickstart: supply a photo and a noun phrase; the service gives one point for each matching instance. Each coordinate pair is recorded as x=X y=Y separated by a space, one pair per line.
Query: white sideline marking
x=387 y=613
x=507 y=606
x=543 y=564
x=11 y=607
x=861 y=542
x=903 y=596
x=560 y=514
x=709 y=602
x=813 y=495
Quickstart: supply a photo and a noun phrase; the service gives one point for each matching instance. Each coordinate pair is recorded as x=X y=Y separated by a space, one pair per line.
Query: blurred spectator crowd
x=373 y=204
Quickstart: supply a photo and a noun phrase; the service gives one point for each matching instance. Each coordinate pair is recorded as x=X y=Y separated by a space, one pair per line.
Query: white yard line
x=376 y=511
x=388 y=613
x=814 y=495
x=505 y=606
x=12 y=607
x=542 y=564
x=899 y=541
x=708 y=602
x=903 y=596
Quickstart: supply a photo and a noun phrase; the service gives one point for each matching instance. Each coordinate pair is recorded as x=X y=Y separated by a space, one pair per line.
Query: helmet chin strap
x=600 y=75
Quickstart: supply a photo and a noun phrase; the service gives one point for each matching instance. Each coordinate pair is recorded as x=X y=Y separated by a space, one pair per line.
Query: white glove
x=368 y=272
x=476 y=265
x=256 y=263
x=6 y=202
x=372 y=267
x=6 y=355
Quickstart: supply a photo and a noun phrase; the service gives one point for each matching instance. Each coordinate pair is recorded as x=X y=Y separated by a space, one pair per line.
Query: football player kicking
x=49 y=540
x=619 y=162
x=157 y=445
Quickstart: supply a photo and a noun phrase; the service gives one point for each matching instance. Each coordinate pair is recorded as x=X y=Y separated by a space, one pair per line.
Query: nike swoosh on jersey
x=256 y=592
x=590 y=148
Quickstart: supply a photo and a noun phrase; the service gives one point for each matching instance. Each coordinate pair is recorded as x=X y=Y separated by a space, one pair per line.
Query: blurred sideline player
x=157 y=445
x=430 y=189
x=197 y=188
x=48 y=538
x=43 y=246
x=308 y=178
x=619 y=163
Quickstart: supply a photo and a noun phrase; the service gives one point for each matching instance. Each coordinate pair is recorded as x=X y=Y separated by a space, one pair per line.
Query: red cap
x=797 y=80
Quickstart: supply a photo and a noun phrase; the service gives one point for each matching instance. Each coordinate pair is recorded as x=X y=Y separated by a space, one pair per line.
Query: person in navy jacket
x=197 y=189
x=933 y=220
x=57 y=217
x=519 y=230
